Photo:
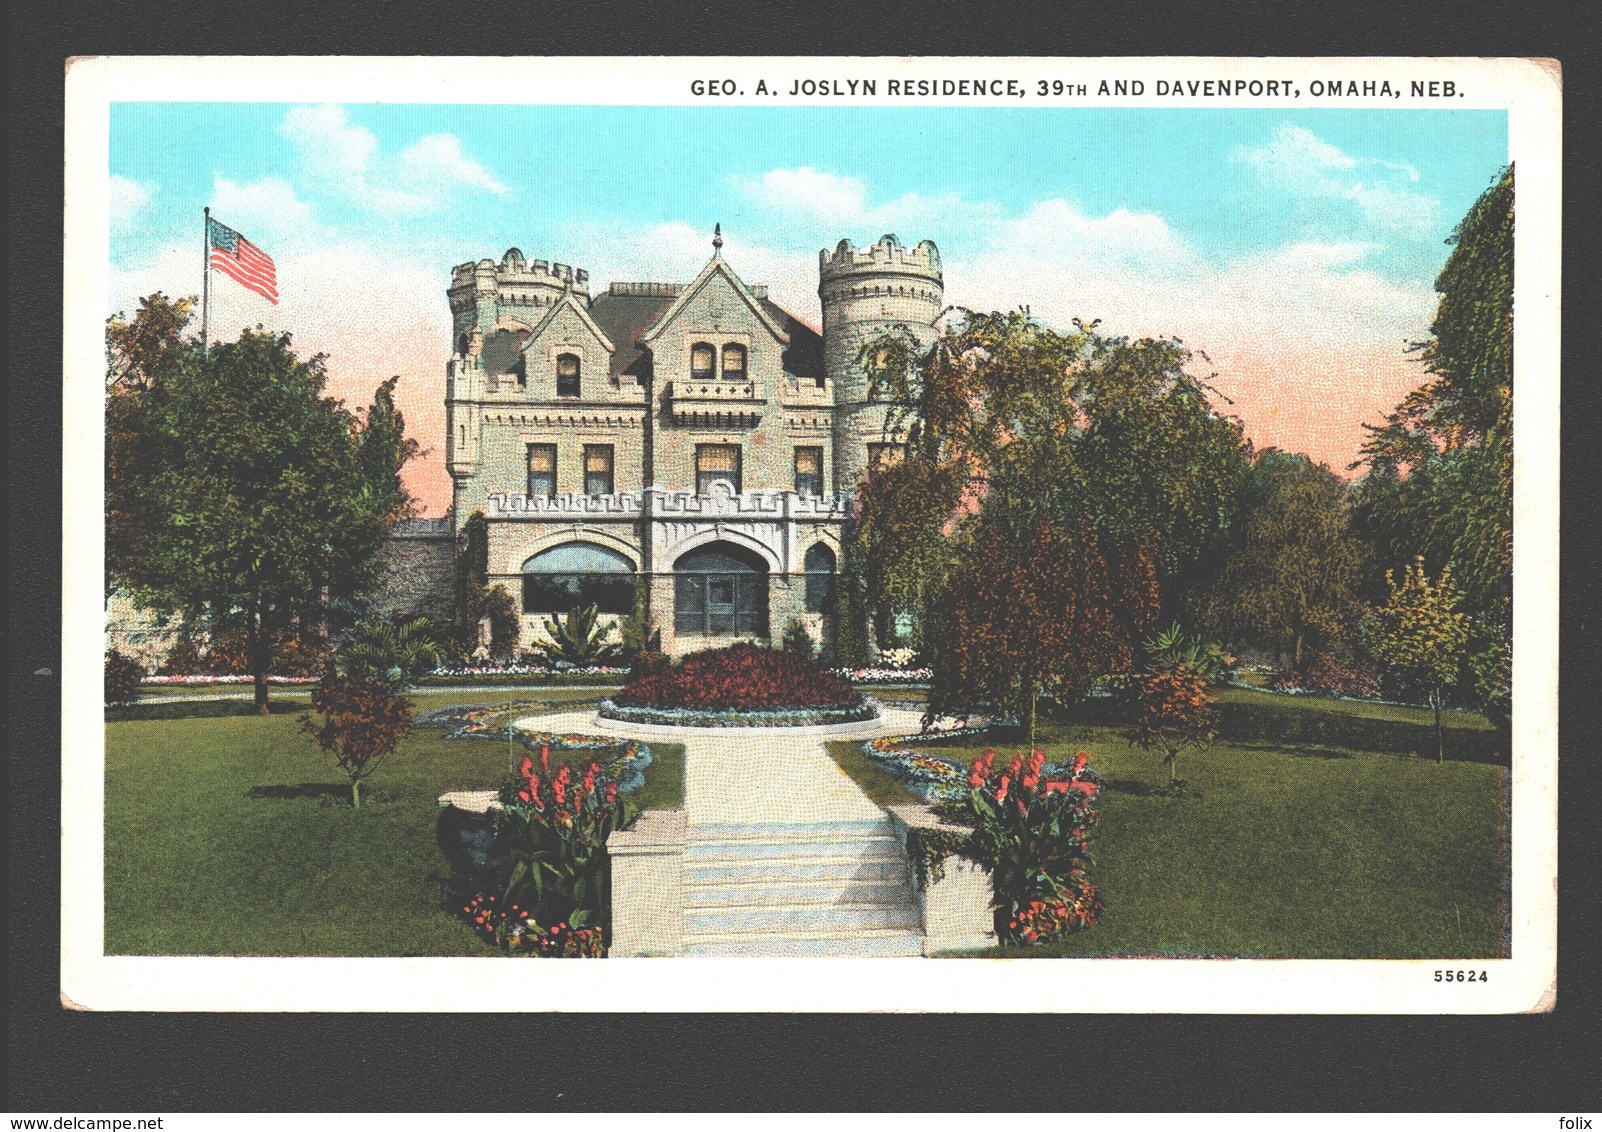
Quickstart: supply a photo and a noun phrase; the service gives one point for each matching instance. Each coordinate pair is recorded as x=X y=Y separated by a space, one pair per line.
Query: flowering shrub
x=742 y=676
x=123 y=674
x=511 y=927
x=1327 y=675
x=549 y=854
x=896 y=659
x=1031 y=830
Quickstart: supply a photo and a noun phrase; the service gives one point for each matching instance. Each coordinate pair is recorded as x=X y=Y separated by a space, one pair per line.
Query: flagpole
x=205 y=290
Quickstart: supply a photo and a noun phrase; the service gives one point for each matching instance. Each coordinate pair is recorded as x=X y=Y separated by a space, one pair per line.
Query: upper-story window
x=716 y=462
x=882 y=456
x=702 y=357
x=809 y=471
x=541 y=471
x=733 y=363
x=567 y=375
x=597 y=469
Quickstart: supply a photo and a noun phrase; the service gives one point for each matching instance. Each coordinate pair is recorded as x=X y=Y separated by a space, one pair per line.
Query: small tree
x=1170 y=695
x=798 y=640
x=1420 y=636
x=363 y=721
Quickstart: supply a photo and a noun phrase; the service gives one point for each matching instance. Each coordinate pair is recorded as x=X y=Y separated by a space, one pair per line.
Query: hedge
x=1304 y=724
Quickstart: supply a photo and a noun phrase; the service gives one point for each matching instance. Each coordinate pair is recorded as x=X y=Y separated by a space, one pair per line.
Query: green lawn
x=1364 y=709
x=1278 y=852
x=235 y=836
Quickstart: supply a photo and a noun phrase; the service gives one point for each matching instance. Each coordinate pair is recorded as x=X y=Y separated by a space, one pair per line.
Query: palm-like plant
x=578 y=638
x=390 y=651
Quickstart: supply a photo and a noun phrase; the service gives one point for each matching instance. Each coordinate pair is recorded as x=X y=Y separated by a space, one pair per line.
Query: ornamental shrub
x=1329 y=675
x=184 y=659
x=741 y=677
x=363 y=721
x=1032 y=831
x=123 y=674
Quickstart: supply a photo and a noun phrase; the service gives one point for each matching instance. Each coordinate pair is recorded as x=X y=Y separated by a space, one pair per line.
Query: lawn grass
x=235 y=836
x=1277 y=852
x=1365 y=709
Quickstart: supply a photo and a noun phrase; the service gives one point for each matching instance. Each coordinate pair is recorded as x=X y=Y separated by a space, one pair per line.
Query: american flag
x=241 y=260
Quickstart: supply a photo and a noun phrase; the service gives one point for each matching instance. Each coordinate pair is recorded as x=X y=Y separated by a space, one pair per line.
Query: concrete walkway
x=754 y=775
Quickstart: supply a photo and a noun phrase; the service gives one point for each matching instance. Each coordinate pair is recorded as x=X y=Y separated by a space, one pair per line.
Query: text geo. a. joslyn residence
x=691 y=442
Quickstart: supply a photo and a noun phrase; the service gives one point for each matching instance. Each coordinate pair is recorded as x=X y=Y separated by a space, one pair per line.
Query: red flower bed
x=741 y=677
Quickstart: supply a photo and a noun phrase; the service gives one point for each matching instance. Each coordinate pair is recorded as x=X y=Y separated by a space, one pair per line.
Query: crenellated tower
x=494 y=306
x=867 y=293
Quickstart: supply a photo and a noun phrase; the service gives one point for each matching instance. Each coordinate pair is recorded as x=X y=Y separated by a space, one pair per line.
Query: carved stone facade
x=695 y=437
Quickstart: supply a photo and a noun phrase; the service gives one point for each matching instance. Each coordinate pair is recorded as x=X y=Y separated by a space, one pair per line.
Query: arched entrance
x=720 y=590
x=578 y=573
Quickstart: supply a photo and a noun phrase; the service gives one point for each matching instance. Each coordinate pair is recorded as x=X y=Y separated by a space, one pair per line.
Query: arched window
x=733 y=362
x=576 y=574
x=461 y=344
x=701 y=359
x=567 y=375
x=721 y=590
x=819 y=567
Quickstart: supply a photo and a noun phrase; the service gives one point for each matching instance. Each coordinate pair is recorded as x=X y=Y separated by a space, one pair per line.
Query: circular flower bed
x=743 y=685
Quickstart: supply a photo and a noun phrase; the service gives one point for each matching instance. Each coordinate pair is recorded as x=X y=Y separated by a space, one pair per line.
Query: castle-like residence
x=693 y=443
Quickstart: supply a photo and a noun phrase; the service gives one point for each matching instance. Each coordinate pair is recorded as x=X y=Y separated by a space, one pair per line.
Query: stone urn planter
x=465 y=832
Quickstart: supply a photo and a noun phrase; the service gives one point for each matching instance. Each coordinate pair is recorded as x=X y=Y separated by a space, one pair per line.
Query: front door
x=721 y=590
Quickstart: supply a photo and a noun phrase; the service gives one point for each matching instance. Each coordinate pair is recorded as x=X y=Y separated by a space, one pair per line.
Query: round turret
x=865 y=294
x=510 y=295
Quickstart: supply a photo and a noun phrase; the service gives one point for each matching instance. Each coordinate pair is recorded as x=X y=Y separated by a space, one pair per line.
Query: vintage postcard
x=857 y=534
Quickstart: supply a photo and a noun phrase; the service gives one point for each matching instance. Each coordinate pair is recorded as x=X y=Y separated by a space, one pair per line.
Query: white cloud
x=421 y=178
x=841 y=203
x=128 y=200
x=268 y=208
x=1299 y=162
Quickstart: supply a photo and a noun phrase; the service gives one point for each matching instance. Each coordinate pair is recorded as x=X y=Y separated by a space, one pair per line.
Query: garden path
x=784 y=853
x=755 y=775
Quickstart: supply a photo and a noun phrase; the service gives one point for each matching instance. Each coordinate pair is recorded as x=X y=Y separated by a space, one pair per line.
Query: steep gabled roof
x=715 y=266
x=625 y=311
x=566 y=302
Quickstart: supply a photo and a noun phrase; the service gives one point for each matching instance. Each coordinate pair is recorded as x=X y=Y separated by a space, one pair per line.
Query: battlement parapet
x=647 y=290
x=723 y=502
x=888 y=255
x=513 y=270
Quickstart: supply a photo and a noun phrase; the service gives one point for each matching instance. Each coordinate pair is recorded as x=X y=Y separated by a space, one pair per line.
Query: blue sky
x=1298 y=249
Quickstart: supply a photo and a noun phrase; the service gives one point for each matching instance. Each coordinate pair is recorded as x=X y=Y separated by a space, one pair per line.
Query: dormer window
x=702 y=357
x=567 y=375
x=733 y=363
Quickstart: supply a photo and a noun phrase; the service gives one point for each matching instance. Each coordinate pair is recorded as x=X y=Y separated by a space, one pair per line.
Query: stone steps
x=836 y=888
x=863 y=945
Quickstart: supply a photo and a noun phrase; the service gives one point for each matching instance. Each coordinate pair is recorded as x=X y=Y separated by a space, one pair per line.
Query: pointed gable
x=560 y=319
x=715 y=268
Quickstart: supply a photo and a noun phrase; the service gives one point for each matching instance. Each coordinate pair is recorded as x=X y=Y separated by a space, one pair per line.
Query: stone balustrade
x=723 y=502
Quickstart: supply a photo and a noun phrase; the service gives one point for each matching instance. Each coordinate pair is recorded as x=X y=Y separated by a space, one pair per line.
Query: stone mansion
x=692 y=442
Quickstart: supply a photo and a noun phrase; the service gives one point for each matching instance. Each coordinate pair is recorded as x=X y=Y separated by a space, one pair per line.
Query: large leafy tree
x=1439 y=470
x=1068 y=470
x=1293 y=566
x=384 y=449
x=236 y=491
x=1044 y=614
